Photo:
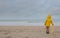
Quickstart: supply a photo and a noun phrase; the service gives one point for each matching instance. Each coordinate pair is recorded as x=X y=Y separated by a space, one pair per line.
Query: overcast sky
x=29 y=9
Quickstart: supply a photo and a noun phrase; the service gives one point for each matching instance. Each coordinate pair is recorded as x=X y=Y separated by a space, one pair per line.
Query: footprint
x=6 y=33
x=26 y=37
x=8 y=37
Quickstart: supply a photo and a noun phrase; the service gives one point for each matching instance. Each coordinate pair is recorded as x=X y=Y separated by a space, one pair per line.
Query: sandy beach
x=27 y=32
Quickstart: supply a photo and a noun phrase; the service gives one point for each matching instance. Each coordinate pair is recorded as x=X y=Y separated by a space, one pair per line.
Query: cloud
x=28 y=8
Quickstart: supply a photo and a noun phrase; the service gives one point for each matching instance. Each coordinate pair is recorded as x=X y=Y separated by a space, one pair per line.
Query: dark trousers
x=47 y=29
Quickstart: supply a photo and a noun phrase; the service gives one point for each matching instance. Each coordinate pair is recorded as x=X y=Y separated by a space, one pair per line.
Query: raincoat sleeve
x=52 y=23
x=45 y=22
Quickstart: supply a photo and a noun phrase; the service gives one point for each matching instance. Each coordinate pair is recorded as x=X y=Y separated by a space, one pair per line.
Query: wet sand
x=28 y=32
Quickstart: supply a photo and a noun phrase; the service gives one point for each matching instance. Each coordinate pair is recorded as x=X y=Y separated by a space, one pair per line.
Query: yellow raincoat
x=48 y=22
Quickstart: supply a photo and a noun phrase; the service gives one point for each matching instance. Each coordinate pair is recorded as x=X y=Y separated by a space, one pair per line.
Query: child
x=47 y=23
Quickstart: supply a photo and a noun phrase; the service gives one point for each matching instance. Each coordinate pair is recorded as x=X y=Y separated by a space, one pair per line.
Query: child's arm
x=52 y=24
x=45 y=22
